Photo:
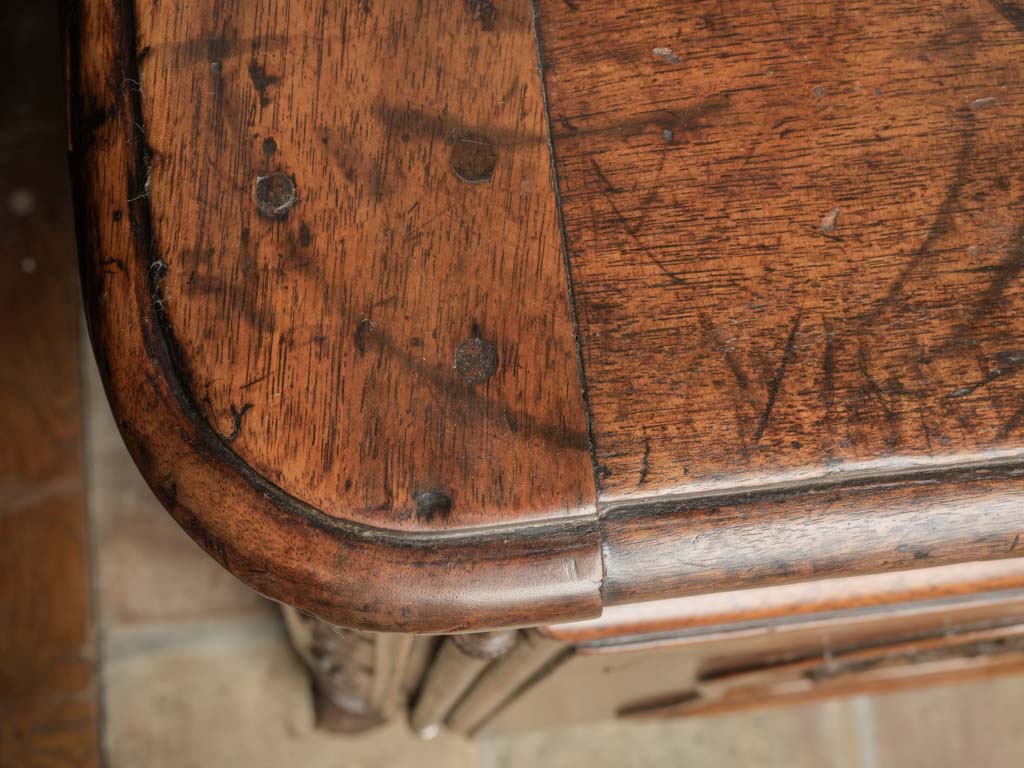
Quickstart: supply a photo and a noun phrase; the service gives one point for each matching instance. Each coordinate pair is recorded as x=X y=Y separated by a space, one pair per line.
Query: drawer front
x=747 y=665
x=952 y=656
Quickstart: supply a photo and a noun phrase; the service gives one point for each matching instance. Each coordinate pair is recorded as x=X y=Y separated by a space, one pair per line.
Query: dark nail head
x=473 y=158
x=476 y=360
x=275 y=195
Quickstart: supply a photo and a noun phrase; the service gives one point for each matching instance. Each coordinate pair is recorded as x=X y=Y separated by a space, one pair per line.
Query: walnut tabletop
x=442 y=316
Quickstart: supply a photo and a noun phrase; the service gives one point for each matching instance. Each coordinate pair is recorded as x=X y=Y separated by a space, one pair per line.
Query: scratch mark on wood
x=941 y=225
x=1011 y=12
x=237 y=415
x=645 y=461
x=716 y=340
x=776 y=383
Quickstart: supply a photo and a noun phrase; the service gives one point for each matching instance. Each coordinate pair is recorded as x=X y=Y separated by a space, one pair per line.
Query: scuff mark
x=830 y=221
x=599 y=172
x=665 y=54
x=715 y=339
x=1007 y=363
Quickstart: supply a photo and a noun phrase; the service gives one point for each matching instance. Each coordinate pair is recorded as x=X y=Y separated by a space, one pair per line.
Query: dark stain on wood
x=1010 y=11
x=432 y=504
x=483 y=11
x=237 y=415
x=775 y=384
x=261 y=81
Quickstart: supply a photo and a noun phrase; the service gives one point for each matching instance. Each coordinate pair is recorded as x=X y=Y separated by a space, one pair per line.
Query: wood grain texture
x=325 y=345
x=48 y=677
x=346 y=371
x=795 y=233
x=732 y=334
x=734 y=541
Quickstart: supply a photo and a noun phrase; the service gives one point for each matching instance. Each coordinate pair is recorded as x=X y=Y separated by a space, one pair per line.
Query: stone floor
x=196 y=672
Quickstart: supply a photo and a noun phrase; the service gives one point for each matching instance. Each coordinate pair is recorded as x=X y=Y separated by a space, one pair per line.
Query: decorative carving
x=359 y=678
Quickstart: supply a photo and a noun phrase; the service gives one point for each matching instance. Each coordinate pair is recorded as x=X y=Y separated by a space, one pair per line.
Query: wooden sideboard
x=687 y=332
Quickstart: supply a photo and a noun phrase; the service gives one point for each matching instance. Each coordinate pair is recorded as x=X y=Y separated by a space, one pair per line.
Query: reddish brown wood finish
x=376 y=480
x=737 y=331
x=791 y=602
x=773 y=537
x=400 y=332
x=795 y=240
x=324 y=282
x=49 y=698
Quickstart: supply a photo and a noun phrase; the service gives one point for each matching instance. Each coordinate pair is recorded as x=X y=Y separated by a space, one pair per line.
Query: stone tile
x=971 y=724
x=815 y=737
x=242 y=703
x=149 y=570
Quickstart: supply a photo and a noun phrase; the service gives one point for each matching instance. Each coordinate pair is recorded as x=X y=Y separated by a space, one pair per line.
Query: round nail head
x=473 y=158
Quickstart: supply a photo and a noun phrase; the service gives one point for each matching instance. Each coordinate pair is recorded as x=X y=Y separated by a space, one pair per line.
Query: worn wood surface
x=397 y=348
x=795 y=235
x=336 y=339
x=725 y=542
x=954 y=656
x=324 y=274
x=48 y=692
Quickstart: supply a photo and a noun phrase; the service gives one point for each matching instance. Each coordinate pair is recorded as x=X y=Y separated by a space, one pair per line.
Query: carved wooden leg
x=461 y=660
x=534 y=652
x=360 y=678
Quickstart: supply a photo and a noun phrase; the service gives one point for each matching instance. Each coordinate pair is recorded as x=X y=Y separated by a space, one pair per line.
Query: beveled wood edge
x=343 y=572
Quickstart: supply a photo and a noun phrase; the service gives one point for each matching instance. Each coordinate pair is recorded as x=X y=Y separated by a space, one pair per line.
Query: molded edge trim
x=342 y=572
x=765 y=537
